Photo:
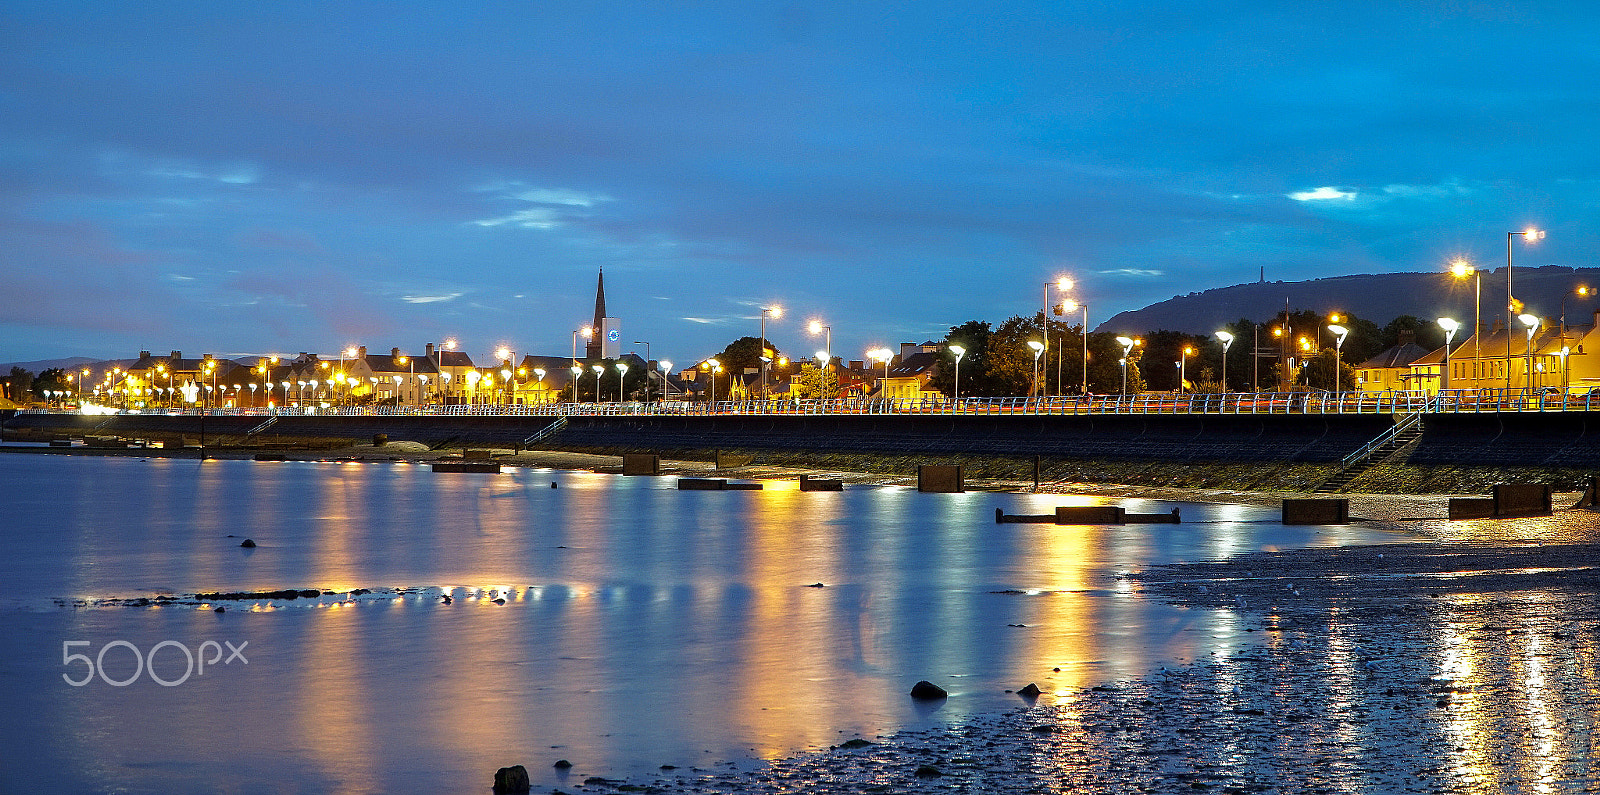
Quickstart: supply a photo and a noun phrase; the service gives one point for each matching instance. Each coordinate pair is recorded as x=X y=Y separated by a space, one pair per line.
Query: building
x=1391 y=369
x=911 y=372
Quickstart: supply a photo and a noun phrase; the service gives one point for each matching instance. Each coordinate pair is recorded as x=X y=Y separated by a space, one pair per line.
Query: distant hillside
x=1378 y=297
x=47 y=364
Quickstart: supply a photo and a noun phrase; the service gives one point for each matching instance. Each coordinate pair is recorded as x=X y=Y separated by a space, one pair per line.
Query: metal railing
x=1461 y=401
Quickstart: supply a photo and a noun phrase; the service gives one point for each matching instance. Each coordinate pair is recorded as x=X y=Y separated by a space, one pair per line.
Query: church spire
x=596 y=340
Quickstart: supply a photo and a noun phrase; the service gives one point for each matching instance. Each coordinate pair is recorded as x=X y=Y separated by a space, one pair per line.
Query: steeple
x=596 y=340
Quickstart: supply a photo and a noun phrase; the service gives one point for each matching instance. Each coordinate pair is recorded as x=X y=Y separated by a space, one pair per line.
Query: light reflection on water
x=642 y=625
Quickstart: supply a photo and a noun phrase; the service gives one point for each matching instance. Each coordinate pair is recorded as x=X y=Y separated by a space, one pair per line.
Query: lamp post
x=622 y=371
x=1339 y=333
x=1062 y=284
x=598 y=369
x=959 y=352
x=818 y=327
x=1532 y=322
x=1038 y=350
x=1069 y=306
x=1529 y=235
x=1127 y=350
x=885 y=355
x=576 y=372
x=716 y=367
x=1227 y=340
x=1449 y=325
x=1461 y=269
x=776 y=312
x=538 y=373
x=1183 y=361
x=646 y=371
x=665 y=368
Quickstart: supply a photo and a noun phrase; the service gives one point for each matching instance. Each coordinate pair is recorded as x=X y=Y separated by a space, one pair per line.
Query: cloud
x=1322 y=194
x=1139 y=272
x=430 y=299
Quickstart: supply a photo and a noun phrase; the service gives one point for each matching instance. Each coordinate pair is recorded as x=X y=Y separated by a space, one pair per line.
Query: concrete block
x=940 y=478
x=1522 y=499
x=742 y=487
x=1316 y=511
x=466 y=466
x=701 y=484
x=1471 y=508
x=818 y=484
x=641 y=464
x=1091 y=514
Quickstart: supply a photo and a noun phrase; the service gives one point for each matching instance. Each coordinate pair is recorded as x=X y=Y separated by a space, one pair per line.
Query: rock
x=248 y=544
x=511 y=779
x=220 y=609
x=927 y=691
x=816 y=585
x=1031 y=691
x=447 y=599
x=855 y=742
x=499 y=601
x=562 y=764
x=552 y=485
x=928 y=771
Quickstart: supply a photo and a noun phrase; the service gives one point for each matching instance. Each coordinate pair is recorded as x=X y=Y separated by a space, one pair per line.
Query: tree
x=19 y=385
x=1318 y=373
x=973 y=336
x=53 y=379
x=1010 y=361
x=817 y=383
x=1428 y=335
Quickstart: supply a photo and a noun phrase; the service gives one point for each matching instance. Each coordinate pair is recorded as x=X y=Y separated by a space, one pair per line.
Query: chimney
x=146 y=354
x=1407 y=337
x=361 y=352
x=177 y=355
x=857 y=364
x=429 y=354
x=394 y=352
x=909 y=349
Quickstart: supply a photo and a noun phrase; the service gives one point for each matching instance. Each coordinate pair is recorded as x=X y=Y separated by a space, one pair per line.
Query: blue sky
x=284 y=177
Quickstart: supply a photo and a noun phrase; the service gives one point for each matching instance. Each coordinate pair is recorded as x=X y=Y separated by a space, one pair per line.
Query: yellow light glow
x=1064 y=283
x=1461 y=269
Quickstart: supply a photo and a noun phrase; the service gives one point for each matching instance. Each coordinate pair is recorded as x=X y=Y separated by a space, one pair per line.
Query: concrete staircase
x=1390 y=444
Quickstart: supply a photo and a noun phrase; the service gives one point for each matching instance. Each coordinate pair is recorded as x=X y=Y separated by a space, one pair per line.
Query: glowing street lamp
x=1450 y=326
x=576 y=371
x=1532 y=322
x=1038 y=350
x=622 y=370
x=1062 y=285
x=1227 y=340
x=818 y=327
x=1339 y=333
x=716 y=367
x=1183 y=360
x=959 y=352
x=666 y=386
x=776 y=312
x=1529 y=236
x=598 y=370
x=1127 y=351
x=1070 y=305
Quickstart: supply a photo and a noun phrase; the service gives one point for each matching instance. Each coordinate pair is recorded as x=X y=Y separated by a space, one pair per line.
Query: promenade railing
x=1454 y=401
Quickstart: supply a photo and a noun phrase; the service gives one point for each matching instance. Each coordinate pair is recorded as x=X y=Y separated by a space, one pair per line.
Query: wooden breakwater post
x=714 y=484
x=466 y=466
x=1330 y=510
x=808 y=483
x=1507 y=501
x=641 y=464
x=1089 y=514
x=940 y=478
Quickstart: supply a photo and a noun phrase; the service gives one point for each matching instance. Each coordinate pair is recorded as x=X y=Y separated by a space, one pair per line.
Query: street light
x=1070 y=305
x=666 y=369
x=598 y=369
x=538 y=373
x=622 y=370
x=716 y=367
x=886 y=355
x=818 y=327
x=1461 y=269
x=1227 y=340
x=1183 y=361
x=1038 y=350
x=776 y=312
x=1532 y=322
x=959 y=352
x=1127 y=350
x=1062 y=284
x=1529 y=235
x=1450 y=326
x=647 y=371
x=1339 y=333
x=576 y=371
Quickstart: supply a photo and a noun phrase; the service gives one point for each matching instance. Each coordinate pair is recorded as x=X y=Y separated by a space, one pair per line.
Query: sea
x=464 y=622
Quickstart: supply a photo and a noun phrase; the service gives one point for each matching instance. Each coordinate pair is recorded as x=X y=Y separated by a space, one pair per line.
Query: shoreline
x=1367 y=663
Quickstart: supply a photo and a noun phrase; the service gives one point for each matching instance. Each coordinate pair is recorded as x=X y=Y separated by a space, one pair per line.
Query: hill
x=1378 y=297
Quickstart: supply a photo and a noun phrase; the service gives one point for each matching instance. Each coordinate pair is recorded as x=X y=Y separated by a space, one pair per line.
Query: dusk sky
x=248 y=178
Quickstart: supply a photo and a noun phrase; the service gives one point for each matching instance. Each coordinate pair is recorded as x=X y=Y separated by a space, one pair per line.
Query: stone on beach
x=248 y=544
x=511 y=779
x=927 y=691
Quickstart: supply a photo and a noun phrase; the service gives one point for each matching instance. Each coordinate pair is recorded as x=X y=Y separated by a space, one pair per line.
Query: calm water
x=642 y=625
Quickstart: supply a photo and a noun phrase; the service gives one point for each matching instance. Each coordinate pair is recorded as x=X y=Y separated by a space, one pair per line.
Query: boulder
x=926 y=691
x=1031 y=691
x=511 y=779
